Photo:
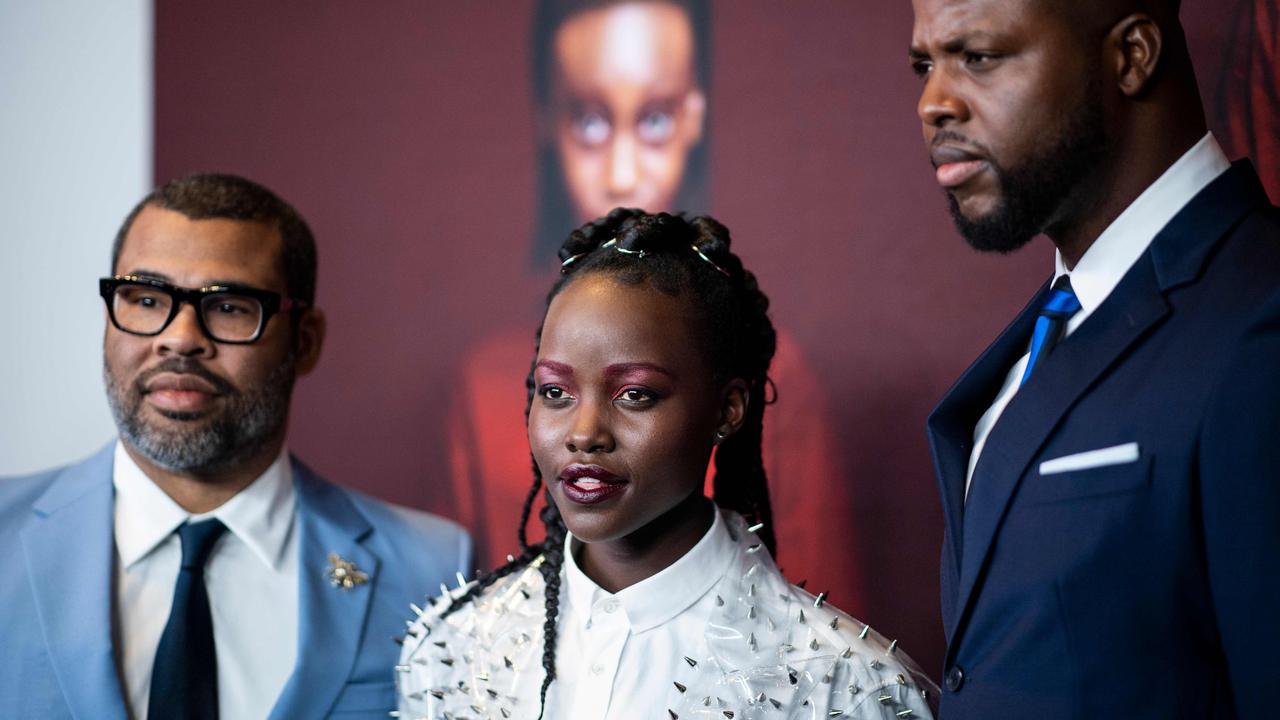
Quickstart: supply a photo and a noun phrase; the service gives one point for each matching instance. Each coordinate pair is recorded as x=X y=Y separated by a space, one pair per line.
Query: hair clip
x=564 y=266
x=702 y=255
x=613 y=243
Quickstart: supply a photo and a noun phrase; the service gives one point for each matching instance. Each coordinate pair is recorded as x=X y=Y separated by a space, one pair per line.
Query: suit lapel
x=69 y=549
x=951 y=423
x=1176 y=256
x=331 y=620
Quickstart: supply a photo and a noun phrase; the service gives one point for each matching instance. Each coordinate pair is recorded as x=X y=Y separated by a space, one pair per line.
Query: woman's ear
x=734 y=397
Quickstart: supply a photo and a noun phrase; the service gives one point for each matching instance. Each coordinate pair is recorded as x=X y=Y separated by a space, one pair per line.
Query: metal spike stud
x=821 y=599
x=835 y=622
x=719 y=601
x=848 y=653
x=801 y=618
x=802 y=583
x=751 y=613
x=680 y=687
x=835 y=713
x=902 y=679
x=691 y=661
x=462 y=579
x=672 y=714
x=760 y=698
x=751 y=590
x=893 y=647
x=753 y=548
x=907 y=713
x=865 y=629
x=507 y=661
x=875 y=664
x=437 y=694
x=751 y=641
x=776 y=705
x=402 y=668
x=813 y=644
x=884 y=699
x=728 y=714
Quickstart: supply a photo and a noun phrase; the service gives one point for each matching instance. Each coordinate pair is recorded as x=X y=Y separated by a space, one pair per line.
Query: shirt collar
x=1123 y=242
x=261 y=515
x=660 y=597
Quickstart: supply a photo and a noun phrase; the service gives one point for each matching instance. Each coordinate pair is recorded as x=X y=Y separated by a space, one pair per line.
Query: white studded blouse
x=719 y=634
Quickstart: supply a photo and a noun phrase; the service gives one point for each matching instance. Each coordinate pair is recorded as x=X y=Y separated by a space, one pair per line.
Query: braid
x=553 y=554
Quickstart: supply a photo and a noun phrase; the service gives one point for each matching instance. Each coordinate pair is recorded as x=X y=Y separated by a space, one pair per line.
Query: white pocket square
x=1114 y=455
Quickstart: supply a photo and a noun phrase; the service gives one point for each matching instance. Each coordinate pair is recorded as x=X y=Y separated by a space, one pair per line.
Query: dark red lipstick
x=590 y=484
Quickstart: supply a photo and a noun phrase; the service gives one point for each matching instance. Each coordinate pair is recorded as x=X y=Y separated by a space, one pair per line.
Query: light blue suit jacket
x=57 y=652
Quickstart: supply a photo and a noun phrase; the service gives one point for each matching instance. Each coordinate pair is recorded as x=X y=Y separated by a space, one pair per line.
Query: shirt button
x=955 y=678
x=611 y=606
x=596 y=668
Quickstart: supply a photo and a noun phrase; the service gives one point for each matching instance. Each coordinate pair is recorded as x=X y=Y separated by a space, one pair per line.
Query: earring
x=720 y=436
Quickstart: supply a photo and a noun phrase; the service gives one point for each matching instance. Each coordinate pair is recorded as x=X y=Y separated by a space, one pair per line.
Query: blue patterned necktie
x=1054 y=314
x=184 y=678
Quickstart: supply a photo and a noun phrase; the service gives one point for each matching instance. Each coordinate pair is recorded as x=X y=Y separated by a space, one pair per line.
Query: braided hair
x=680 y=257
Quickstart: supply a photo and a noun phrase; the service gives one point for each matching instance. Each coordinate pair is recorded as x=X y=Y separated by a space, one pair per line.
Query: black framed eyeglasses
x=233 y=314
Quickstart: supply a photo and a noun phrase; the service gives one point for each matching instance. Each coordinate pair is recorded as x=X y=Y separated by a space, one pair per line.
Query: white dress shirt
x=251 y=577
x=1109 y=258
x=616 y=647
x=718 y=633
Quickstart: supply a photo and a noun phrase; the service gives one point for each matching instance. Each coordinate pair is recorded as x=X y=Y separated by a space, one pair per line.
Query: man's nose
x=589 y=432
x=940 y=103
x=184 y=336
x=623 y=169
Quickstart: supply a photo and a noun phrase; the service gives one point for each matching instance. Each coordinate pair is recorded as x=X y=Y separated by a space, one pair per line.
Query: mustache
x=951 y=137
x=185 y=366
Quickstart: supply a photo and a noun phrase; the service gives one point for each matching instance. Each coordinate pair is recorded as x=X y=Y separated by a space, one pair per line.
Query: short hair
x=214 y=195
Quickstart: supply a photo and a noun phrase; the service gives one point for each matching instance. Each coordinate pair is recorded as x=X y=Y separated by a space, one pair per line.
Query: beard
x=1034 y=191
x=248 y=421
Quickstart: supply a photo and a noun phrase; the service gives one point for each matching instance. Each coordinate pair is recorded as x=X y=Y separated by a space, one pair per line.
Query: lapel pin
x=344 y=573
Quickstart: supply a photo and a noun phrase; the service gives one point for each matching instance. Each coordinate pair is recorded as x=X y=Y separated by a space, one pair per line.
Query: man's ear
x=734 y=397
x=308 y=339
x=1135 y=45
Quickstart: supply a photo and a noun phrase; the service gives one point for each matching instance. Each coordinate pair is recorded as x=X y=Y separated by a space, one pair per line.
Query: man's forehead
x=198 y=251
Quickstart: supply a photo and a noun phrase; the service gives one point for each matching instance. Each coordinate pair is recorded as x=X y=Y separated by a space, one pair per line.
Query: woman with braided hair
x=645 y=599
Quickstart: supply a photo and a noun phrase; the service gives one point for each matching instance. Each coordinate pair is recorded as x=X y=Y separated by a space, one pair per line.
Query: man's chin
x=990 y=230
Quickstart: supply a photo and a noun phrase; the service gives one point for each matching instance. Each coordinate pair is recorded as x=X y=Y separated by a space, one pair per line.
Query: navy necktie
x=1054 y=314
x=184 y=678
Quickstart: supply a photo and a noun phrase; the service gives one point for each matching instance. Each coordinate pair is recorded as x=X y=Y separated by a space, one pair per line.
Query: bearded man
x=1110 y=466
x=193 y=568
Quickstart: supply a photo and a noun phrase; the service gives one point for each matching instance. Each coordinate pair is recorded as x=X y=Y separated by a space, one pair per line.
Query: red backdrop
x=402 y=131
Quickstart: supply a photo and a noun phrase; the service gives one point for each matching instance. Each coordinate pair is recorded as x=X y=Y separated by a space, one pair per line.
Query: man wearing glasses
x=194 y=568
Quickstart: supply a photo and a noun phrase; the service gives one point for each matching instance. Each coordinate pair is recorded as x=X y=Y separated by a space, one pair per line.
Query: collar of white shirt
x=145 y=516
x=660 y=597
x=1125 y=239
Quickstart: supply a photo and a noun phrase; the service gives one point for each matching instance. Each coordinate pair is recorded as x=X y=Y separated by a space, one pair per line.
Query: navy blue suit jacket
x=1145 y=589
x=57 y=654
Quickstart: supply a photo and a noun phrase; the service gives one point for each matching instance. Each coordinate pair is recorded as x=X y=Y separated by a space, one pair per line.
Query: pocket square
x=1114 y=455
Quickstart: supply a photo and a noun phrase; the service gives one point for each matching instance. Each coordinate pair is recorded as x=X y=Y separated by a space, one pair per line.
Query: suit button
x=955 y=678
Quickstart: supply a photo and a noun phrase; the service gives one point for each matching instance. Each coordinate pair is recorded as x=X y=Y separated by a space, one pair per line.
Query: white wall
x=75 y=155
